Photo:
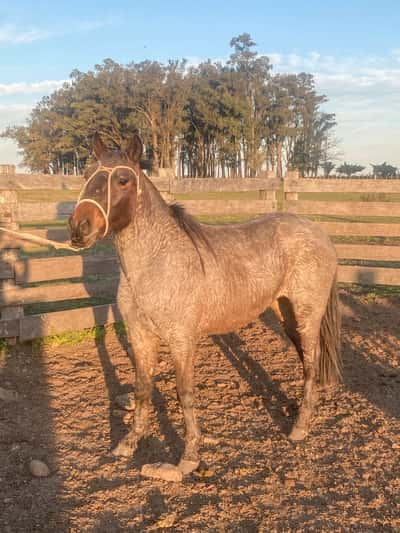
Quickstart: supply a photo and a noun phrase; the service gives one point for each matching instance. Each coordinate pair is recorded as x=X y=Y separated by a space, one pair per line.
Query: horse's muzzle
x=81 y=232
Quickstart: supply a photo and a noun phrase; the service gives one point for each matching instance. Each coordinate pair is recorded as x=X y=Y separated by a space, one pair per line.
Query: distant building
x=7 y=169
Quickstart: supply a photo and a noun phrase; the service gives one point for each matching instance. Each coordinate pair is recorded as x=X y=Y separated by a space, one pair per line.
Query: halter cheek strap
x=105 y=212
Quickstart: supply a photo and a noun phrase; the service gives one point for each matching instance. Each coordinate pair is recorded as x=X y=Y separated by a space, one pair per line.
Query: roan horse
x=181 y=279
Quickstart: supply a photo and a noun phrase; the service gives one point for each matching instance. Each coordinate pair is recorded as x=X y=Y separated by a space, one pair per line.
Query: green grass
x=43 y=224
x=96 y=333
x=46 y=195
x=350 y=196
x=51 y=195
x=230 y=195
x=371 y=291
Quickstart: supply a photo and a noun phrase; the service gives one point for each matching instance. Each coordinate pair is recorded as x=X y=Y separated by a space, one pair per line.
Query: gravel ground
x=344 y=477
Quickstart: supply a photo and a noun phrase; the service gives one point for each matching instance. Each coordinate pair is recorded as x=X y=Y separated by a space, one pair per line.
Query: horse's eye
x=123 y=181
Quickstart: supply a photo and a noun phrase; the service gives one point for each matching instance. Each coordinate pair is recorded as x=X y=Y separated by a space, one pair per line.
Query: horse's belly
x=225 y=317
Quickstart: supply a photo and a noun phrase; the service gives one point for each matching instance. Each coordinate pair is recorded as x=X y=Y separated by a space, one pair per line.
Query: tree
x=349 y=169
x=384 y=170
x=216 y=119
x=327 y=167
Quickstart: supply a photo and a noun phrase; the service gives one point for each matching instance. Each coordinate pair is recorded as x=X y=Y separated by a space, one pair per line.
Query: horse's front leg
x=145 y=350
x=182 y=353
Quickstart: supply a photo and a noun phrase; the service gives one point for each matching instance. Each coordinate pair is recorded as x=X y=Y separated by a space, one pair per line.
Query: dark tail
x=330 y=363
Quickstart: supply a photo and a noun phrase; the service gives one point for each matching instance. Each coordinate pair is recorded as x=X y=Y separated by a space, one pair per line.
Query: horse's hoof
x=164 y=471
x=124 y=448
x=186 y=467
x=298 y=433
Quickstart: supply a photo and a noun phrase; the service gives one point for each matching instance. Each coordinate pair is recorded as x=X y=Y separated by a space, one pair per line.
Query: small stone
x=8 y=395
x=126 y=401
x=164 y=471
x=39 y=468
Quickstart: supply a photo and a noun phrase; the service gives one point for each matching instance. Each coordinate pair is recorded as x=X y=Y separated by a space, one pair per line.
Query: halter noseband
x=110 y=171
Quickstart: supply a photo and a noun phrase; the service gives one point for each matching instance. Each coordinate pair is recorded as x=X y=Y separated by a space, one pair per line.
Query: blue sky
x=352 y=47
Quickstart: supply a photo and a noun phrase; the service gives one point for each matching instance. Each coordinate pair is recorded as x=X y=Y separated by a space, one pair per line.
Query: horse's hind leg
x=182 y=353
x=302 y=325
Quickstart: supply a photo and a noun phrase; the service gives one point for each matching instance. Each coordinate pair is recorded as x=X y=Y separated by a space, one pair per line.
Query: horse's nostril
x=84 y=226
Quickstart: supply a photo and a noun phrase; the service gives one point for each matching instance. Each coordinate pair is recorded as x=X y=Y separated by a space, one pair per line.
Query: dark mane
x=192 y=228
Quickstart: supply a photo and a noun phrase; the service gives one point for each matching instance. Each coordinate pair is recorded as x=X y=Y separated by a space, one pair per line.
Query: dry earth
x=344 y=477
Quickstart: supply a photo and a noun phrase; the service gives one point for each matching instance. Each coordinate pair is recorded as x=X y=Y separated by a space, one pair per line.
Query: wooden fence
x=351 y=228
x=84 y=279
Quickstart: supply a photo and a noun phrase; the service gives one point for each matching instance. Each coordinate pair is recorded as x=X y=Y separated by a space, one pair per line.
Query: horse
x=181 y=280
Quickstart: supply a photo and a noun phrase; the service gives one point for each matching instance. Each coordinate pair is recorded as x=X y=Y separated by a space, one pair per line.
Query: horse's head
x=108 y=198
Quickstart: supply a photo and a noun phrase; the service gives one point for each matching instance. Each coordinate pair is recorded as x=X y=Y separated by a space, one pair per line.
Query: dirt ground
x=344 y=477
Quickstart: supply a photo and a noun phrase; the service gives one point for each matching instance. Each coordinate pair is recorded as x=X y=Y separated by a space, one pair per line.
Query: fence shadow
x=27 y=431
x=367 y=328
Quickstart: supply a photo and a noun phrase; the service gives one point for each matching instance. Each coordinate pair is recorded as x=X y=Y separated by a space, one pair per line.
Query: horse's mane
x=192 y=228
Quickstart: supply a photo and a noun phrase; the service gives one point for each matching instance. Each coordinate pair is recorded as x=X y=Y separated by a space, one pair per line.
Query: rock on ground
x=39 y=468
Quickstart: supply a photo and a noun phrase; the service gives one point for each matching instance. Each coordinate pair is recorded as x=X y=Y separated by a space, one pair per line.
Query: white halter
x=110 y=171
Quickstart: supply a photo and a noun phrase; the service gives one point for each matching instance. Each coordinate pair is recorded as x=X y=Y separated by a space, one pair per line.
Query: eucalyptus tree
x=384 y=170
x=349 y=169
x=215 y=119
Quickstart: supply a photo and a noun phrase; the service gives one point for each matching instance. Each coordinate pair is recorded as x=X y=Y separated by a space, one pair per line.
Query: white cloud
x=364 y=92
x=11 y=34
x=13 y=114
x=18 y=88
x=9 y=153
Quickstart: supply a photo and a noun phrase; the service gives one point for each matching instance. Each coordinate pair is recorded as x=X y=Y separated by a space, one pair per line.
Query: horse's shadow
x=258 y=380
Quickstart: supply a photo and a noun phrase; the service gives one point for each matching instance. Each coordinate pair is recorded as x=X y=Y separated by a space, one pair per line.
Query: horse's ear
x=135 y=149
x=98 y=146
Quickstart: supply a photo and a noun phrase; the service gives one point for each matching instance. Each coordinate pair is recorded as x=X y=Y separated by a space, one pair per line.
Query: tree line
x=213 y=119
x=382 y=170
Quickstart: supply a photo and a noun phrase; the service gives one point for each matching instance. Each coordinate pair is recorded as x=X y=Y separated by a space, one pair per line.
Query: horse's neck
x=148 y=231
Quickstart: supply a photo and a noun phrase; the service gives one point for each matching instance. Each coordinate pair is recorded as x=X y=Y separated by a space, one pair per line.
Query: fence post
x=9 y=253
x=291 y=175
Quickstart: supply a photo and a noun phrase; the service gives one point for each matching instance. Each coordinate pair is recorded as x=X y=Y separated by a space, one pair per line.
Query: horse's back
x=282 y=235
x=258 y=261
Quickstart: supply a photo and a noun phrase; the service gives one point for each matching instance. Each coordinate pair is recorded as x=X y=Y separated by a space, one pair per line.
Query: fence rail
x=30 y=281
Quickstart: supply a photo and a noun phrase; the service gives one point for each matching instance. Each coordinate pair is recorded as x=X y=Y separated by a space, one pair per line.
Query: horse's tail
x=330 y=363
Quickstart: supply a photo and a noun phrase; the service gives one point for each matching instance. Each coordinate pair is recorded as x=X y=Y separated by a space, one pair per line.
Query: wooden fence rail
x=28 y=281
